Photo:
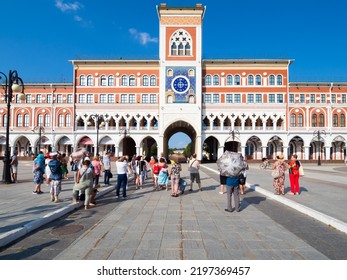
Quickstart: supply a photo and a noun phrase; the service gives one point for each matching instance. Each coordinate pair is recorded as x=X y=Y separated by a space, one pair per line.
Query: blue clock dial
x=180 y=84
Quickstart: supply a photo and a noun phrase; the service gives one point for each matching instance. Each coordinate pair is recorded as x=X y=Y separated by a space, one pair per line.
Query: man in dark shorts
x=194 y=166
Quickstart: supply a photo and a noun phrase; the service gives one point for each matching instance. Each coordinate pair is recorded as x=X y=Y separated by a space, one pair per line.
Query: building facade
x=135 y=106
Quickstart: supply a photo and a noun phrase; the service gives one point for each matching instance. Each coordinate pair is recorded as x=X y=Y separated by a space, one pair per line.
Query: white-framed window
x=132 y=98
x=333 y=98
x=229 y=80
x=124 y=80
x=291 y=98
x=61 y=120
x=110 y=81
x=272 y=80
x=153 y=98
x=228 y=98
x=208 y=80
x=215 y=80
x=59 y=98
x=180 y=43
x=280 y=98
x=208 y=98
x=28 y=98
x=82 y=80
x=302 y=98
x=250 y=80
x=40 y=120
x=312 y=98
x=237 y=98
x=110 y=98
x=279 y=80
x=343 y=98
x=300 y=122
x=144 y=98
x=293 y=120
x=132 y=80
x=123 y=98
x=272 y=98
x=145 y=81
x=103 y=81
x=90 y=98
x=19 y=120
x=102 y=98
x=39 y=98
x=258 y=98
x=82 y=98
x=153 y=81
x=258 y=80
x=250 y=98
x=47 y=120
x=237 y=80
x=90 y=80
x=215 y=98
x=49 y=98
x=26 y=120
x=323 y=98
x=69 y=98
x=68 y=120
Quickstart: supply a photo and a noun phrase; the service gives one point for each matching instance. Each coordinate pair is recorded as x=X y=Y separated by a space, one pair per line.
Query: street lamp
x=96 y=118
x=233 y=134
x=126 y=132
x=318 y=134
x=13 y=83
x=41 y=130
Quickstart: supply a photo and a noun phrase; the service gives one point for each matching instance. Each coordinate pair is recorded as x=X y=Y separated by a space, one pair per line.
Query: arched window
x=321 y=120
x=181 y=43
x=145 y=81
x=89 y=80
x=300 y=123
x=258 y=80
x=61 y=120
x=111 y=81
x=169 y=99
x=82 y=80
x=124 y=80
x=250 y=80
x=68 y=120
x=292 y=120
x=314 y=120
x=103 y=80
x=153 y=81
x=237 y=80
x=215 y=80
x=342 y=120
x=19 y=120
x=279 y=80
x=26 y=120
x=229 y=80
x=271 y=80
x=131 y=80
x=208 y=80
x=47 y=120
x=335 y=120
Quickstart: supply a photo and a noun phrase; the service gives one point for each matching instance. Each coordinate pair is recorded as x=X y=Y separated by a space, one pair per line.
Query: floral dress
x=278 y=183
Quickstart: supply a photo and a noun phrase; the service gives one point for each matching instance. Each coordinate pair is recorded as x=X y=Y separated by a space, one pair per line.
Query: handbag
x=110 y=175
x=276 y=173
x=301 y=171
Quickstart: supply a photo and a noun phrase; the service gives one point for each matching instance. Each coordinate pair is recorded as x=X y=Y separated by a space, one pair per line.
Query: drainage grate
x=69 y=229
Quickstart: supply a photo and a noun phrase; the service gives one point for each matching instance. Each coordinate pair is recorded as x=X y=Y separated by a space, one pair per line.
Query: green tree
x=188 y=150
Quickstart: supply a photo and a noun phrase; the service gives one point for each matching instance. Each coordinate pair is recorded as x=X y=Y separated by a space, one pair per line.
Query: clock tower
x=180 y=96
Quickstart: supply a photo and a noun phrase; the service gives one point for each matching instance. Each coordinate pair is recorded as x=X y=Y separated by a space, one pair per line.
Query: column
x=220 y=151
x=264 y=155
x=243 y=151
x=306 y=152
x=327 y=153
x=117 y=151
x=285 y=152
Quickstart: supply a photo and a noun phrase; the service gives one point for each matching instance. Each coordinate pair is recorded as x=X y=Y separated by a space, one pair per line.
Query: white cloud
x=143 y=37
x=67 y=6
x=78 y=18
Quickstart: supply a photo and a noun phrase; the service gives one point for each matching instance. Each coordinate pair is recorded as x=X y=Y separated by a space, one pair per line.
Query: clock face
x=180 y=84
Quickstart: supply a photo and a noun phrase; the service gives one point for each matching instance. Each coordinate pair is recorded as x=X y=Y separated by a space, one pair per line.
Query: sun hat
x=53 y=154
x=280 y=156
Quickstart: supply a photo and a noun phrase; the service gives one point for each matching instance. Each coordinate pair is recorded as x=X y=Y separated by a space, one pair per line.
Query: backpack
x=156 y=169
x=230 y=164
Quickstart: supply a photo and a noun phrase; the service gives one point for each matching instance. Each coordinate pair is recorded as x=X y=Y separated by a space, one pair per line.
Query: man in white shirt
x=122 y=178
x=194 y=166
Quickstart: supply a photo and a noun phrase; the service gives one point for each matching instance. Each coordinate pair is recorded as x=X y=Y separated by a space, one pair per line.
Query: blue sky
x=39 y=37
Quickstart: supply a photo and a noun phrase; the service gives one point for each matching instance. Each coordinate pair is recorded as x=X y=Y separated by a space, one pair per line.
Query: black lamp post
x=124 y=131
x=41 y=130
x=96 y=118
x=13 y=83
x=318 y=133
x=233 y=134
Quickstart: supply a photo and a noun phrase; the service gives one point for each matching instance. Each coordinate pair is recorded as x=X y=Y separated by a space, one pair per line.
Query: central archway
x=179 y=126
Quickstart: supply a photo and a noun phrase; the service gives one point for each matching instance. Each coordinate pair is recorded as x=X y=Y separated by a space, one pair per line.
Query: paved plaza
x=153 y=225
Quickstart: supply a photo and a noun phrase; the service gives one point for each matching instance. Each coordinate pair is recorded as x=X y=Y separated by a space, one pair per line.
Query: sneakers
x=221 y=192
x=117 y=196
x=34 y=192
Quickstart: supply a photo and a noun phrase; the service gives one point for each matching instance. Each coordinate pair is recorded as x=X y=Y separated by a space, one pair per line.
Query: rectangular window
x=153 y=98
x=132 y=98
x=237 y=98
x=312 y=98
x=82 y=98
x=333 y=98
x=216 y=98
x=323 y=98
x=102 y=98
x=300 y=120
x=28 y=98
x=47 y=120
x=258 y=98
x=59 y=98
x=302 y=98
x=343 y=98
x=208 y=98
x=90 y=98
x=291 y=98
x=38 y=98
x=110 y=98
x=61 y=121
x=40 y=120
x=250 y=98
x=69 y=98
x=280 y=98
x=271 y=98
x=26 y=120
x=292 y=120
x=144 y=98
x=68 y=120
x=49 y=98
x=123 y=98
x=229 y=98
